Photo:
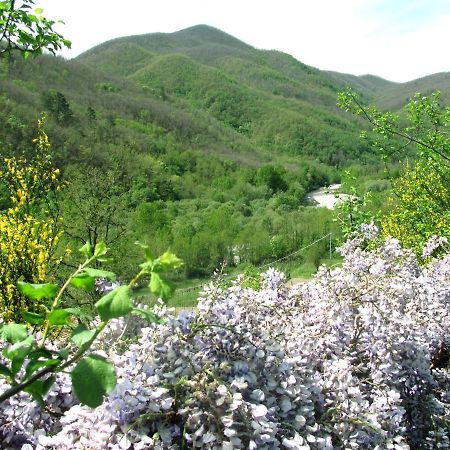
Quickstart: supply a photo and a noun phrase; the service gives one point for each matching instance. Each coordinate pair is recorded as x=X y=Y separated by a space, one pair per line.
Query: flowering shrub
x=421 y=206
x=355 y=359
x=27 y=242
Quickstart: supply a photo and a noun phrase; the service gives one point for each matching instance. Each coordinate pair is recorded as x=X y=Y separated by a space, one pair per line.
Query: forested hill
x=193 y=140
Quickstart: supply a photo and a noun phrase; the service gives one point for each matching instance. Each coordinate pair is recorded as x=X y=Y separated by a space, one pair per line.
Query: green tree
x=421 y=201
x=26 y=30
x=59 y=107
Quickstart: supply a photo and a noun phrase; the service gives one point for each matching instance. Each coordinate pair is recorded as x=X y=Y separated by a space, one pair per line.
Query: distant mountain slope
x=278 y=103
x=205 y=91
x=396 y=95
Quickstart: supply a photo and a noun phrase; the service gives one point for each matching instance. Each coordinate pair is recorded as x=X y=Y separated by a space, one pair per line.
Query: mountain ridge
x=199 y=35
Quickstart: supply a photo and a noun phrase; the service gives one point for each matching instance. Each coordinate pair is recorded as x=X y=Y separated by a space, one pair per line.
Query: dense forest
x=197 y=142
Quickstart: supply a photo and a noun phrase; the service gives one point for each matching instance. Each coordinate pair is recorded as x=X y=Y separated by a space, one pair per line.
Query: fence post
x=330 y=245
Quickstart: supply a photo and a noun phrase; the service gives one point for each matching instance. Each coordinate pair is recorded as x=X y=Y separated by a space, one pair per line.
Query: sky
x=399 y=40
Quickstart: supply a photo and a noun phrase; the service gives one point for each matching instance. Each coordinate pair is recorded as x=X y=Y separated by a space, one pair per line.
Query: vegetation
x=207 y=146
x=27 y=30
x=30 y=227
x=420 y=205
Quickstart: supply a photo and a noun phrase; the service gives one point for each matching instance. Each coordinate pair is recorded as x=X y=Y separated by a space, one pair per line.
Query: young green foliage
x=26 y=30
x=420 y=206
x=33 y=366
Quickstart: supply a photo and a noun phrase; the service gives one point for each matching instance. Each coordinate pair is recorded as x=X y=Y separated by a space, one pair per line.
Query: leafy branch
x=93 y=375
x=26 y=30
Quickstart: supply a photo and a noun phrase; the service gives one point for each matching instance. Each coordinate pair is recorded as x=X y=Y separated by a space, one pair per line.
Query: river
x=327 y=197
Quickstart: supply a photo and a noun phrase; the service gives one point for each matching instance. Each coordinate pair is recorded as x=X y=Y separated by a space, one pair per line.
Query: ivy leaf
x=32 y=318
x=147 y=315
x=82 y=335
x=38 y=291
x=116 y=303
x=160 y=287
x=93 y=378
x=13 y=332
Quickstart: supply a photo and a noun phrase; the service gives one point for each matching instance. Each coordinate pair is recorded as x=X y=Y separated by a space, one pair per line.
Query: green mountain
x=194 y=140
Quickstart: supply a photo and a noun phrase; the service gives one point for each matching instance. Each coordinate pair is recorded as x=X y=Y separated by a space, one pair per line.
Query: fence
x=192 y=289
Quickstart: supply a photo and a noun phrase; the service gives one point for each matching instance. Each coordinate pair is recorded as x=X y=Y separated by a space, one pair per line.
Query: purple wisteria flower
x=357 y=358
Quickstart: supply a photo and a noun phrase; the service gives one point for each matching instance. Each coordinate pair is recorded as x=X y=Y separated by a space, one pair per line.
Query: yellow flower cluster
x=27 y=242
x=421 y=207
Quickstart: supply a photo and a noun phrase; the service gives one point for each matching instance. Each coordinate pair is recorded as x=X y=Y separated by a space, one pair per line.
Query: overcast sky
x=399 y=40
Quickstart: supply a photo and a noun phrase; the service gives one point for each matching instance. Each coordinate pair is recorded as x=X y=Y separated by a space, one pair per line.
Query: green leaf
x=160 y=287
x=38 y=291
x=18 y=352
x=5 y=371
x=33 y=366
x=116 y=303
x=83 y=281
x=141 y=292
x=59 y=317
x=64 y=353
x=82 y=335
x=40 y=353
x=86 y=250
x=40 y=388
x=168 y=261
x=100 y=249
x=96 y=273
x=13 y=332
x=38 y=10
x=147 y=315
x=147 y=266
x=20 y=349
x=93 y=378
x=31 y=317
x=148 y=253
x=75 y=311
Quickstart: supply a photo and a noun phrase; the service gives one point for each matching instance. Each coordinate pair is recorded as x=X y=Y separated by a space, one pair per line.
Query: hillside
x=260 y=94
x=196 y=141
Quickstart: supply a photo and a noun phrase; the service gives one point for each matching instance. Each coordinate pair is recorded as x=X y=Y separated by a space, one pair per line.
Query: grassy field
x=186 y=295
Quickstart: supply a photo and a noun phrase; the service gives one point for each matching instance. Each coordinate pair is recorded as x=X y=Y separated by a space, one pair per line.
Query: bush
x=356 y=358
x=27 y=241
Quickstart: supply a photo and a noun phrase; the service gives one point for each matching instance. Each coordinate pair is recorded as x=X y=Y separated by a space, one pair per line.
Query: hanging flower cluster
x=355 y=359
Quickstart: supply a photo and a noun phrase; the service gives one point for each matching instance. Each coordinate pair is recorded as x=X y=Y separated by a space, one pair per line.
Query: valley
x=197 y=142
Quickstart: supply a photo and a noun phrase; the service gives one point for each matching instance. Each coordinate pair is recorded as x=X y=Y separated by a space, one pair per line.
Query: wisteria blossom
x=357 y=358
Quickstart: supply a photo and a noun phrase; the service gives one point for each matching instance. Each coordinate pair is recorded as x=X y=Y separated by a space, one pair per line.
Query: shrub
x=421 y=206
x=356 y=358
x=27 y=241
